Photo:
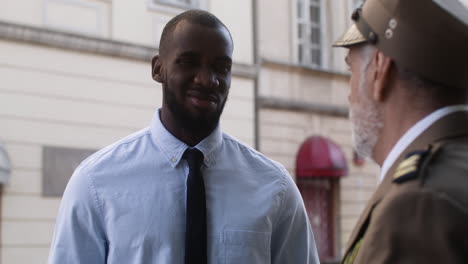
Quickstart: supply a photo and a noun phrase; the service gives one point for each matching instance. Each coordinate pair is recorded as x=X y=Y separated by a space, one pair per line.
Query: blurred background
x=75 y=76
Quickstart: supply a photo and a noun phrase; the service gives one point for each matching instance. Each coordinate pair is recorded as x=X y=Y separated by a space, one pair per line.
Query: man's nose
x=205 y=77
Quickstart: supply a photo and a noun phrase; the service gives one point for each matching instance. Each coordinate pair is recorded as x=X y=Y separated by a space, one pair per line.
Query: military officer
x=409 y=89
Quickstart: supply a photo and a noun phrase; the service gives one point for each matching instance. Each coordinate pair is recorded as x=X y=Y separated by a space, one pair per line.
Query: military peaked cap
x=428 y=37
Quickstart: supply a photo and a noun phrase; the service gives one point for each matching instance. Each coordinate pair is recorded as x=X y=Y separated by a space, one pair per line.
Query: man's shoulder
x=116 y=152
x=264 y=170
x=441 y=171
x=251 y=155
x=431 y=183
x=447 y=171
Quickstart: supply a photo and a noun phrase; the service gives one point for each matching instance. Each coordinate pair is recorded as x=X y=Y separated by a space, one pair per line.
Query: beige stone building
x=302 y=90
x=76 y=77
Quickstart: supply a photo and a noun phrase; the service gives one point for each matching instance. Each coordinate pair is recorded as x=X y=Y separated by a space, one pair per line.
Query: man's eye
x=223 y=68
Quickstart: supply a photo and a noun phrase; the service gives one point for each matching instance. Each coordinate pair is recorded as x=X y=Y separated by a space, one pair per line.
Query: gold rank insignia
x=408 y=168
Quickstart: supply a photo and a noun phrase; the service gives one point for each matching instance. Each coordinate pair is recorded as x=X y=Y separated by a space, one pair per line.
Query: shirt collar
x=174 y=149
x=415 y=131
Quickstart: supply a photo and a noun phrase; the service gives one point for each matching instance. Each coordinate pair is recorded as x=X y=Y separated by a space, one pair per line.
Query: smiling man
x=181 y=190
x=408 y=108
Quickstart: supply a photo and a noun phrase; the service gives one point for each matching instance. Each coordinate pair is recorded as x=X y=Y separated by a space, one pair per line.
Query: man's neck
x=398 y=118
x=190 y=136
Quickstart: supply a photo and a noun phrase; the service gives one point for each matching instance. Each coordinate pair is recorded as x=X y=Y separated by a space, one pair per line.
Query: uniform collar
x=174 y=149
x=447 y=123
x=415 y=131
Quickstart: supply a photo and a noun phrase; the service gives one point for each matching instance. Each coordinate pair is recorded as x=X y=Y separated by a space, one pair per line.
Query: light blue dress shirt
x=125 y=204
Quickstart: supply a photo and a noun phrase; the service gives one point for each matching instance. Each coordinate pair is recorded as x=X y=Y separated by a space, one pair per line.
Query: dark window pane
x=300 y=54
x=58 y=164
x=315 y=35
x=183 y=3
x=314 y=14
x=299 y=8
x=299 y=31
x=357 y=3
x=316 y=57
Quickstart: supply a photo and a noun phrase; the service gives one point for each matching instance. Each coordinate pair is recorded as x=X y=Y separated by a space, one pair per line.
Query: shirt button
x=173 y=159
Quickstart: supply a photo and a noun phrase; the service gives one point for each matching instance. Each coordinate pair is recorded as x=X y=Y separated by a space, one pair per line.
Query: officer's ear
x=382 y=76
x=156 y=72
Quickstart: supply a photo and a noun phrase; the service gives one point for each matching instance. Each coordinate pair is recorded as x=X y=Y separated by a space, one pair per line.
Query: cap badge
x=388 y=33
x=392 y=24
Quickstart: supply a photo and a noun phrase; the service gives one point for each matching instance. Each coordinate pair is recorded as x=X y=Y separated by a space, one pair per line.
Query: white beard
x=366 y=123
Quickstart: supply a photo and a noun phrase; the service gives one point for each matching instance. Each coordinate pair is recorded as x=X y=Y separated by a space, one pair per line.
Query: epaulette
x=409 y=167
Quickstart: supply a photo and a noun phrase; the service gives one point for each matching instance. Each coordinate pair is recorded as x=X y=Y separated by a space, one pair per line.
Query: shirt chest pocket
x=246 y=247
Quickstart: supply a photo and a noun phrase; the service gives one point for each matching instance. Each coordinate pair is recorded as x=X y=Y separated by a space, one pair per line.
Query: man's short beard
x=187 y=121
x=366 y=119
x=366 y=123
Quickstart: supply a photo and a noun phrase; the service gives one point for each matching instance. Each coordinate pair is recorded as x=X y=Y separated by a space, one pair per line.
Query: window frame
x=163 y=10
x=177 y=4
x=305 y=40
x=353 y=4
x=103 y=14
x=171 y=8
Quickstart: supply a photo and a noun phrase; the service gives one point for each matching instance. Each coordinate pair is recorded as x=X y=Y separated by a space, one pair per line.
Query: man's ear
x=382 y=76
x=156 y=72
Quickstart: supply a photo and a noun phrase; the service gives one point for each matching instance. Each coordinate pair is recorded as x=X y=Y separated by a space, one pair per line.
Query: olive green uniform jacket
x=419 y=213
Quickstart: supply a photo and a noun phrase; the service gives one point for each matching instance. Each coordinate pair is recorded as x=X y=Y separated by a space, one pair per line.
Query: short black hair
x=195 y=16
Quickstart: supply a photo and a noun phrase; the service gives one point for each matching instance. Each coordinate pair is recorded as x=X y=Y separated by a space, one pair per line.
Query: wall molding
x=95 y=45
x=310 y=69
x=302 y=106
x=100 y=8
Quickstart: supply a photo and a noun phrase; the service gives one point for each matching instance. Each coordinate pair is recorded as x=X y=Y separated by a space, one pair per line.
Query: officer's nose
x=205 y=77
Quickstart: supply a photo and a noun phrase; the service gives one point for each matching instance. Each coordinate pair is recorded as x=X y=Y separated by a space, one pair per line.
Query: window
x=164 y=10
x=309 y=46
x=180 y=3
x=89 y=17
x=58 y=164
x=357 y=3
x=464 y=2
x=169 y=8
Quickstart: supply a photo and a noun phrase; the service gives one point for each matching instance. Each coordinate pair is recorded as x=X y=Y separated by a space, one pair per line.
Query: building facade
x=76 y=76
x=301 y=98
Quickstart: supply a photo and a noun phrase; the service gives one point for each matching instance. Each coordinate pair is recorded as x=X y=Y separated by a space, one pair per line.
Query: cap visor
x=350 y=38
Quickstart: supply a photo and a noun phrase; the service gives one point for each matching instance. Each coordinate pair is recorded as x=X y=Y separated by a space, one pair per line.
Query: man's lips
x=201 y=99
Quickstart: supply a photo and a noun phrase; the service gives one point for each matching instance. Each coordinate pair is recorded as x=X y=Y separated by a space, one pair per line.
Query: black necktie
x=195 y=229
